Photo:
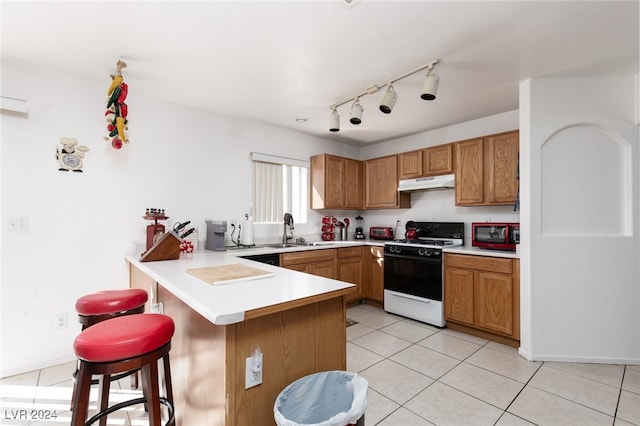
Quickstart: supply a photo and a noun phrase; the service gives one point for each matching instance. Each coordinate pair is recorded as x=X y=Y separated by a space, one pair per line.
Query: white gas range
x=413 y=277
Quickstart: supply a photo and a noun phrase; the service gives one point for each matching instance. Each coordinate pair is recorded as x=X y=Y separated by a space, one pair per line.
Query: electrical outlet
x=18 y=224
x=157 y=308
x=253 y=369
x=61 y=321
x=252 y=377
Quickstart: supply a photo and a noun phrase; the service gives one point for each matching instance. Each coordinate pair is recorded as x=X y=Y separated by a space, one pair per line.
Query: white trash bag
x=329 y=398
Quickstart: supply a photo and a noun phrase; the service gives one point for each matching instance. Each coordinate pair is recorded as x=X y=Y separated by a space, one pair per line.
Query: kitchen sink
x=280 y=245
x=317 y=243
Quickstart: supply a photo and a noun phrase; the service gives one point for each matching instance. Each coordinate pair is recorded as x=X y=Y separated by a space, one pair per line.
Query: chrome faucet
x=288 y=221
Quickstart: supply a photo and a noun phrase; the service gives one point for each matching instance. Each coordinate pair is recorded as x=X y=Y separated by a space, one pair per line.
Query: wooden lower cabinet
x=482 y=296
x=316 y=262
x=374 y=289
x=349 y=268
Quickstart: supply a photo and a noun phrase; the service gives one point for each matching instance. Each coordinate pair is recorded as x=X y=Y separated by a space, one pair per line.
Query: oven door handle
x=414 y=258
x=410 y=296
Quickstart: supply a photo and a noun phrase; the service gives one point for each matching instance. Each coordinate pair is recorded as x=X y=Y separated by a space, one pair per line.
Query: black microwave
x=499 y=236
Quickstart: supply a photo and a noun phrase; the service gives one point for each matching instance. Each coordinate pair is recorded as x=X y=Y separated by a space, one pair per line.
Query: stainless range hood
x=427 y=183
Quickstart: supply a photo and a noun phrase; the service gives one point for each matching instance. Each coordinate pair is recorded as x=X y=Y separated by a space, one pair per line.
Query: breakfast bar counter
x=297 y=320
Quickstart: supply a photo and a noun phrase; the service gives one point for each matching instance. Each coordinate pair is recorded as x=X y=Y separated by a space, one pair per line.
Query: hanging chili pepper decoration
x=117 y=110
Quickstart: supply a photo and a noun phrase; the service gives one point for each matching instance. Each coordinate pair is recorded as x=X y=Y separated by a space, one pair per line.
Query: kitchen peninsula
x=298 y=321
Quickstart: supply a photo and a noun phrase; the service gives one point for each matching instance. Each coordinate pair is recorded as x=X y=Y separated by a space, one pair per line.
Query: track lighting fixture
x=356 y=112
x=334 y=121
x=389 y=100
x=430 y=86
x=429 y=90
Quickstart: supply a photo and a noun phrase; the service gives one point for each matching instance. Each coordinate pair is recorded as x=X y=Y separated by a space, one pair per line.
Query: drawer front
x=481 y=263
x=309 y=256
x=346 y=252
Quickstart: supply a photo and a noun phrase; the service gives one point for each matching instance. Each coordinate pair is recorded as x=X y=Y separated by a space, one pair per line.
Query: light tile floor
x=418 y=375
x=421 y=375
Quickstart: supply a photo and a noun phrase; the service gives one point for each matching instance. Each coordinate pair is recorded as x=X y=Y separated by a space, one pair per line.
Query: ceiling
x=275 y=61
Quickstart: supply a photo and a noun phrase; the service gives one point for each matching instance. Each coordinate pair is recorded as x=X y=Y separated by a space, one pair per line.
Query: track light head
x=334 y=121
x=430 y=86
x=356 y=112
x=389 y=100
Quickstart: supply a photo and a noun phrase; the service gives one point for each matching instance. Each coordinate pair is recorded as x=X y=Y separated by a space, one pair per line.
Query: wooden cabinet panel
x=334 y=178
x=494 y=301
x=483 y=263
x=459 y=295
x=483 y=293
x=374 y=290
x=501 y=153
x=316 y=262
x=469 y=172
x=307 y=256
x=336 y=182
x=438 y=160
x=350 y=270
x=410 y=165
x=381 y=184
x=486 y=170
x=353 y=184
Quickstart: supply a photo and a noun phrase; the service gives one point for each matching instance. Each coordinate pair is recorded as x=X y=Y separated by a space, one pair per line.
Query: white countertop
x=227 y=303
x=482 y=252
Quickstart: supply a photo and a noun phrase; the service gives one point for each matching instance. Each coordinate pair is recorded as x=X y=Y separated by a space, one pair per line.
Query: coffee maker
x=359 y=234
x=215 y=235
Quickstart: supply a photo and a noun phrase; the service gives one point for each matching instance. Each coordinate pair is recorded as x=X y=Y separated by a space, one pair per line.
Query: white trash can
x=329 y=398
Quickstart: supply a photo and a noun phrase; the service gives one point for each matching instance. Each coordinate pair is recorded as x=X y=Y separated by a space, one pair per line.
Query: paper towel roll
x=247 y=231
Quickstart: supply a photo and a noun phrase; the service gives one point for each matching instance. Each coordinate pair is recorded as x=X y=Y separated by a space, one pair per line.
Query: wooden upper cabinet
x=438 y=160
x=410 y=165
x=353 y=184
x=336 y=182
x=469 y=172
x=501 y=161
x=486 y=170
x=381 y=184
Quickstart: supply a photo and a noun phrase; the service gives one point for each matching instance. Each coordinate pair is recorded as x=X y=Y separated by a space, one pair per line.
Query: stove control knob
x=428 y=252
x=421 y=251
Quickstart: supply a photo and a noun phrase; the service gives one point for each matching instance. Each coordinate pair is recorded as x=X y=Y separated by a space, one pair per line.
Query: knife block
x=167 y=248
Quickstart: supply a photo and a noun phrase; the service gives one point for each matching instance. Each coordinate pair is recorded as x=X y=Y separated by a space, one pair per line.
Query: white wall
x=192 y=163
x=580 y=192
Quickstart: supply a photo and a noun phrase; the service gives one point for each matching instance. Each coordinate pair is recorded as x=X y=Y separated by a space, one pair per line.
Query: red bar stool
x=108 y=304
x=120 y=344
x=103 y=305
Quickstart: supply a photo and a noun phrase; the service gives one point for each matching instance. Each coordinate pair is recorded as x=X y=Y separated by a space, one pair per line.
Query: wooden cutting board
x=227 y=274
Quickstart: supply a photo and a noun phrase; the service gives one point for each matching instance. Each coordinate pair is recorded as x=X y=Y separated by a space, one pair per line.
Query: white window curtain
x=268 y=192
x=280 y=185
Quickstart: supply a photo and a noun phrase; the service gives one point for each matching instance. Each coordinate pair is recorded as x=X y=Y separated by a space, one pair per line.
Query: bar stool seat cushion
x=110 y=301
x=124 y=337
